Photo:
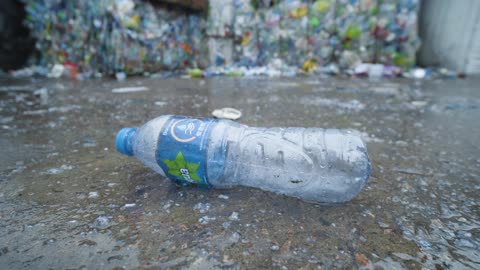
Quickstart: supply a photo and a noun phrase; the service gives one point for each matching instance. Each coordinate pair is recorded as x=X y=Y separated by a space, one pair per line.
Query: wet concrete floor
x=68 y=200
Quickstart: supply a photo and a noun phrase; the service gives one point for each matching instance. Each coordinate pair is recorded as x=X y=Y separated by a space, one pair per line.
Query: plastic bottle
x=323 y=165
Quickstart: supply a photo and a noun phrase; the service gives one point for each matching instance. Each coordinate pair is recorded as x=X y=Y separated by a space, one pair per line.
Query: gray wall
x=450 y=33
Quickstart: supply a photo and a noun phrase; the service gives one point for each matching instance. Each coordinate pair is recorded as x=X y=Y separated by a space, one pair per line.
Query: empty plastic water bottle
x=323 y=165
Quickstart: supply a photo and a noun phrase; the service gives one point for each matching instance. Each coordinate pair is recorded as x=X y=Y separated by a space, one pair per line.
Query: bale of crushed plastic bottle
x=109 y=36
x=245 y=33
x=134 y=36
x=322 y=38
x=354 y=21
x=396 y=32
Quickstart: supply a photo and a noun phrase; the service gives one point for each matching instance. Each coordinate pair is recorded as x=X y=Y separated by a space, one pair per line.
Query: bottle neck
x=124 y=139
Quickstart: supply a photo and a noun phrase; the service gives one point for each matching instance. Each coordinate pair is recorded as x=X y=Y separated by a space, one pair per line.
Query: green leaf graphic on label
x=181 y=168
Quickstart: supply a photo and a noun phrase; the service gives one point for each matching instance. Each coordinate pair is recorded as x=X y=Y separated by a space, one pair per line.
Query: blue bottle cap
x=123 y=141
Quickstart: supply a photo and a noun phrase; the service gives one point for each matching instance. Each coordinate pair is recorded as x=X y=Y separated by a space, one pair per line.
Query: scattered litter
x=463 y=243
x=234 y=216
x=275 y=248
x=224 y=197
x=362 y=69
x=353 y=105
x=59 y=169
x=160 y=103
x=419 y=103
x=20 y=88
x=424 y=244
x=30 y=72
x=120 y=76
x=43 y=94
x=227 y=113
x=195 y=73
x=62 y=109
x=375 y=71
x=206 y=219
x=129 y=205
x=202 y=207
x=89 y=139
x=385 y=90
x=57 y=71
x=167 y=205
x=93 y=195
x=226 y=224
x=235 y=237
x=87 y=145
x=418 y=73
x=130 y=89
x=401 y=143
x=35 y=112
x=363 y=261
x=7 y=119
x=102 y=222
x=383 y=225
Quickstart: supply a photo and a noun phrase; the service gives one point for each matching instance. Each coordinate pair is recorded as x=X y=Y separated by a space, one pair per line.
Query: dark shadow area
x=16 y=45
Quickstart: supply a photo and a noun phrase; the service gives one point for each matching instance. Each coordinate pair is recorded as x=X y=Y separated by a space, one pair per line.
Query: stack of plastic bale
x=396 y=32
x=321 y=33
x=63 y=31
x=245 y=33
x=125 y=40
x=109 y=36
x=293 y=48
x=197 y=36
x=176 y=49
x=219 y=31
x=355 y=20
x=150 y=38
x=268 y=29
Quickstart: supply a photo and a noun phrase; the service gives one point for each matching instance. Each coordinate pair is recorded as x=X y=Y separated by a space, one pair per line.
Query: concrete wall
x=450 y=32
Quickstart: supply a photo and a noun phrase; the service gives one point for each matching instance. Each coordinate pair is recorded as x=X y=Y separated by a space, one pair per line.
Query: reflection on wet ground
x=68 y=200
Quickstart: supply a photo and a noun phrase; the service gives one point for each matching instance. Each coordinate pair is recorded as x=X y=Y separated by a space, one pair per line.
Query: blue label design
x=182 y=149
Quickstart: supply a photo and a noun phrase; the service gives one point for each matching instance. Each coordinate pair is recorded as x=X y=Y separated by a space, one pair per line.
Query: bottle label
x=182 y=149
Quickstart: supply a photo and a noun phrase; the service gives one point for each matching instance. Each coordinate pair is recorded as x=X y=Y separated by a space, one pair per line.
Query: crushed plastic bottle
x=322 y=165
